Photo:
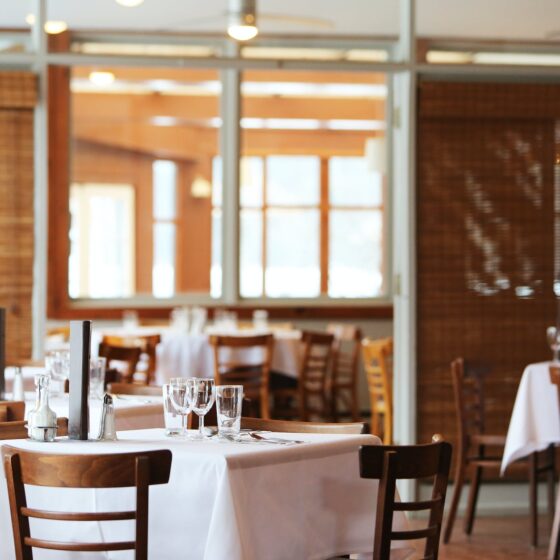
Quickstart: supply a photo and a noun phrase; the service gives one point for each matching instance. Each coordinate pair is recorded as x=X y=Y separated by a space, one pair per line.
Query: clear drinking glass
x=229 y=400
x=97 y=368
x=57 y=364
x=553 y=338
x=201 y=397
x=180 y=399
x=173 y=419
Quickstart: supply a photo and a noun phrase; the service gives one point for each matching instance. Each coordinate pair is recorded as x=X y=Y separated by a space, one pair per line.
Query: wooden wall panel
x=485 y=241
x=16 y=224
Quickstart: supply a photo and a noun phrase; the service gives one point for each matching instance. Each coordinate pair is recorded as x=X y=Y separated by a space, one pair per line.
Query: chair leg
x=473 y=498
x=457 y=487
x=550 y=479
x=534 y=499
x=554 y=546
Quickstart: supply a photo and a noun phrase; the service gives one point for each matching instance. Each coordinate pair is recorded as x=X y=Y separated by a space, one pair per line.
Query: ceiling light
x=99 y=78
x=55 y=27
x=52 y=27
x=130 y=3
x=242 y=25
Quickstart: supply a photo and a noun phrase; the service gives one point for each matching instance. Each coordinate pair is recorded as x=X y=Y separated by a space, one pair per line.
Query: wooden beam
x=142 y=108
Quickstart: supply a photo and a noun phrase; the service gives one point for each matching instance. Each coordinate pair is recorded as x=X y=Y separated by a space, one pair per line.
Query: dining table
x=534 y=423
x=225 y=500
x=189 y=354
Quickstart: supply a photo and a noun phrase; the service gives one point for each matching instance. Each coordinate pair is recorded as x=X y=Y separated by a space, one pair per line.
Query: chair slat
x=75 y=516
x=79 y=547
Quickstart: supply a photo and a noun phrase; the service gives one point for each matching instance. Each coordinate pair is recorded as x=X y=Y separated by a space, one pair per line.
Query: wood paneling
x=485 y=241
x=16 y=209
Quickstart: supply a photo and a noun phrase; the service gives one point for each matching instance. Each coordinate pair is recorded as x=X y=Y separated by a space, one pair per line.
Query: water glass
x=180 y=398
x=201 y=398
x=57 y=364
x=97 y=368
x=172 y=418
x=553 y=339
x=229 y=400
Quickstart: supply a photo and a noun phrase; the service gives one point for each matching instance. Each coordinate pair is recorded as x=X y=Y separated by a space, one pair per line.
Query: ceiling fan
x=241 y=20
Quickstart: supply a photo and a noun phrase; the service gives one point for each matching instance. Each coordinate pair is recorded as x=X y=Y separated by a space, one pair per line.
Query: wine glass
x=201 y=397
x=179 y=395
x=58 y=365
x=553 y=338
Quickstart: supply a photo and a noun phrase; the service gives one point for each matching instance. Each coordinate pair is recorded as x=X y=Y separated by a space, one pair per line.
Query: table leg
x=553 y=547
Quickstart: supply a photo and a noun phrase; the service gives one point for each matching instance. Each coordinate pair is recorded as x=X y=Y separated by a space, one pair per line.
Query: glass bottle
x=42 y=419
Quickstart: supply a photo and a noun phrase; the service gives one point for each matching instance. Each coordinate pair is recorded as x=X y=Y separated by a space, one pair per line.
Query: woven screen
x=485 y=218
x=16 y=210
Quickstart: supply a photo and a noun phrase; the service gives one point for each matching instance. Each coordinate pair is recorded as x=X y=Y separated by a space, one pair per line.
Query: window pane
x=293 y=180
x=353 y=183
x=163 y=272
x=355 y=241
x=251 y=273
x=292 y=247
x=165 y=187
x=251 y=181
x=101 y=263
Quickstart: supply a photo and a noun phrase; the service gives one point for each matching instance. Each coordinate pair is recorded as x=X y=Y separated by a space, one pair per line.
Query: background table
x=534 y=423
x=183 y=354
x=226 y=501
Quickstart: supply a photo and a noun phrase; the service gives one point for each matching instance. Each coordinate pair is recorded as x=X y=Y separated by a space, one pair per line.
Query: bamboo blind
x=485 y=240
x=17 y=96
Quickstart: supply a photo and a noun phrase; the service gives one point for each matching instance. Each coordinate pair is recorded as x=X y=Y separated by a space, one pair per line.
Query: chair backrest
x=12 y=410
x=254 y=375
x=17 y=429
x=315 y=367
x=389 y=463
x=120 y=470
x=468 y=388
x=346 y=351
x=133 y=389
x=147 y=344
x=289 y=426
x=554 y=372
x=127 y=354
x=378 y=366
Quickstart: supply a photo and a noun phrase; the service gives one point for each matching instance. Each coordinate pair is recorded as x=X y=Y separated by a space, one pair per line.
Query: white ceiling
x=492 y=19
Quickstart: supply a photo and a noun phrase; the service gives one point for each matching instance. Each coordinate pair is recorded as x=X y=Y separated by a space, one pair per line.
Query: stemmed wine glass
x=553 y=338
x=201 y=397
x=180 y=398
x=58 y=365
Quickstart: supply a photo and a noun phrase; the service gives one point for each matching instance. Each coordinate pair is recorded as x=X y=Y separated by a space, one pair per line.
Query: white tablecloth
x=535 y=420
x=226 y=501
x=182 y=354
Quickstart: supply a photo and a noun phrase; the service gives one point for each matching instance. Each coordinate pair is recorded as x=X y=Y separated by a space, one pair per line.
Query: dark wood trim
x=292 y=312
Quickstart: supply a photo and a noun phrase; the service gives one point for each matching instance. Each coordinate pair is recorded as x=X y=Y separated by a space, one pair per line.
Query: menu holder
x=80 y=349
x=2 y=352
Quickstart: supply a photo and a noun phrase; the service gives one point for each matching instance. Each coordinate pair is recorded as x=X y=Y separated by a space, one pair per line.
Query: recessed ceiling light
x=30 y=19
x=99 y=78
x=55 y=27
x=130 y=3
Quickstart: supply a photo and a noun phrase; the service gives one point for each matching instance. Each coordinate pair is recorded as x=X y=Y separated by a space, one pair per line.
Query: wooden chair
x=129 y=355
x=293 y=427
x=389 y=463
x=12 y=410
x=309 y=398
x=554 y=545
x=254 y=376
x=17 y=429
x=147 y=345
x=133 y=389
x=120 y=470
x=343 y=383
x=472 y=455
x=378 y=367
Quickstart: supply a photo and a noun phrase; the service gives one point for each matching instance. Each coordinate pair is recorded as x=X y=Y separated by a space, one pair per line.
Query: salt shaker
x=17 y=392
x=107 y=430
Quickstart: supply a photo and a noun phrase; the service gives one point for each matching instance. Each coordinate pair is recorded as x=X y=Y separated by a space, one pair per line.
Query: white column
x=40 y=140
